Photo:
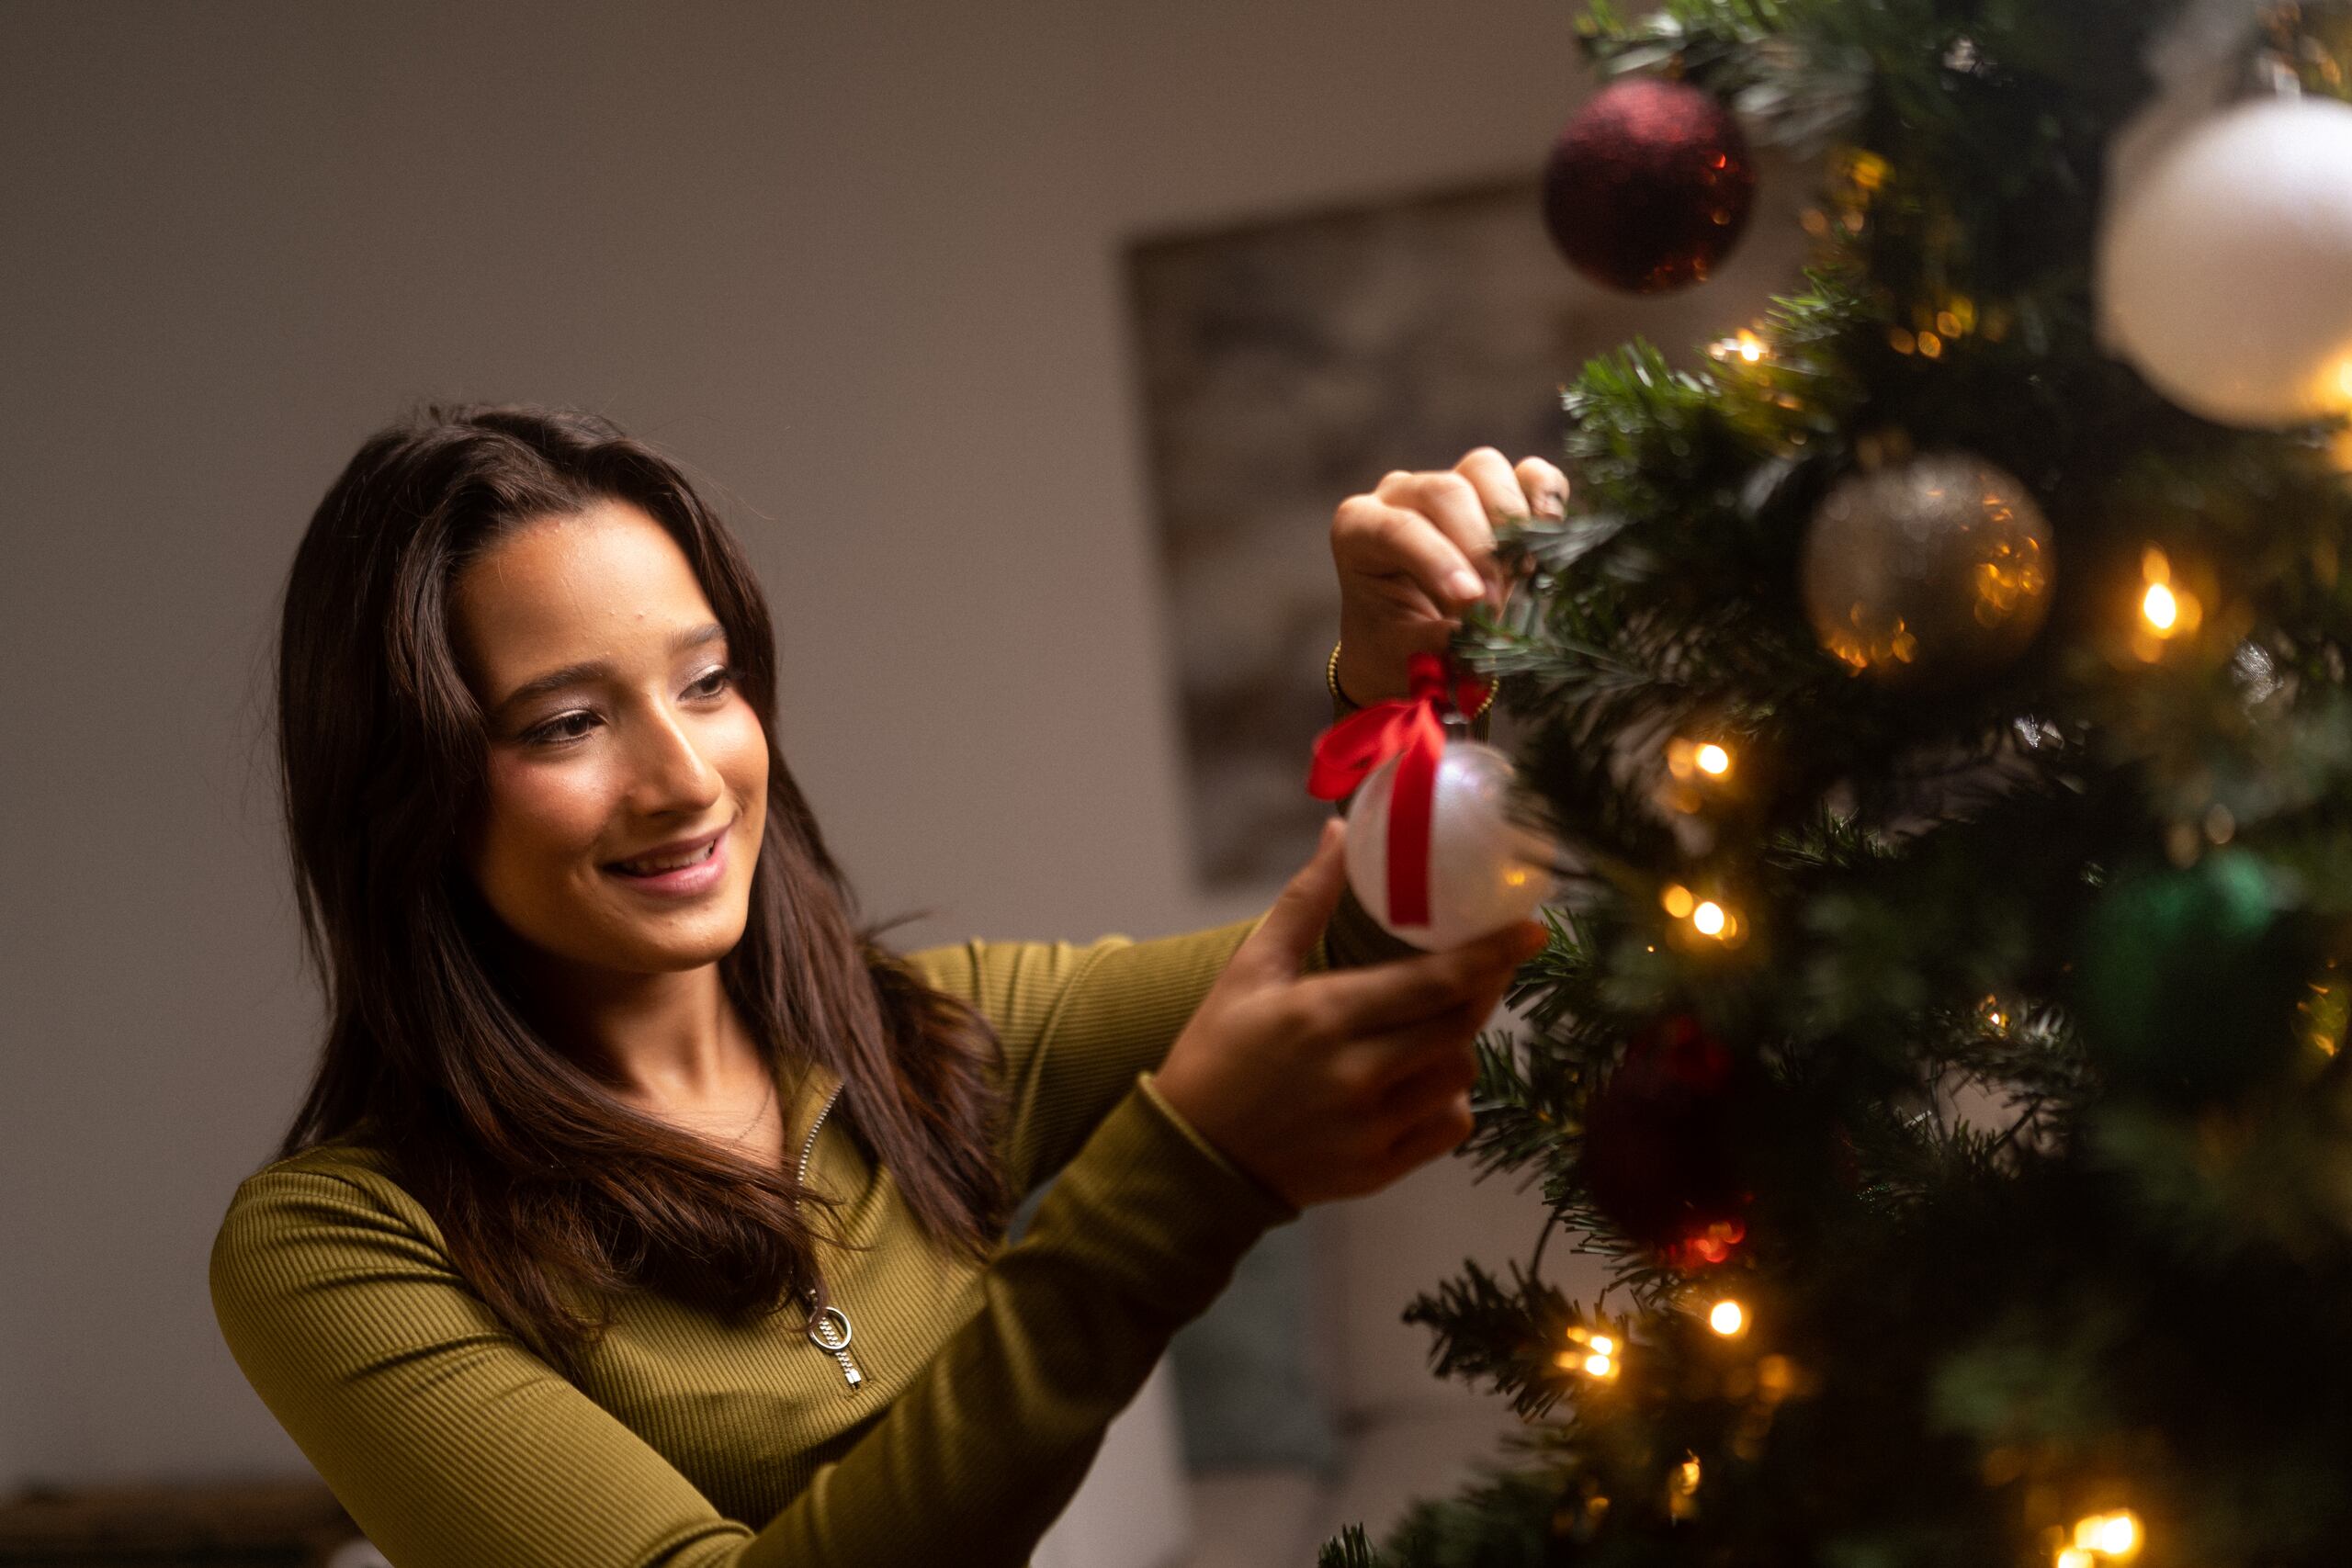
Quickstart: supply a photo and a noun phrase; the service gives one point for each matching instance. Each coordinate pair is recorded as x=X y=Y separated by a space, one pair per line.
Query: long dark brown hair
x=551 y=1193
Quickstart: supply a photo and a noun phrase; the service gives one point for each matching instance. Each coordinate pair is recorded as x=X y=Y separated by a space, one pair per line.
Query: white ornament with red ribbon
x=1483 y=870
x=1444 y=844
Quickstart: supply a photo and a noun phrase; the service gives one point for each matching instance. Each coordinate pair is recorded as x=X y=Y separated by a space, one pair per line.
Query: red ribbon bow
x=1363 y=742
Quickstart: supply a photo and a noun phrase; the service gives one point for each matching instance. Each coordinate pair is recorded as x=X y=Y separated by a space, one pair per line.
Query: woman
x=644 y=1209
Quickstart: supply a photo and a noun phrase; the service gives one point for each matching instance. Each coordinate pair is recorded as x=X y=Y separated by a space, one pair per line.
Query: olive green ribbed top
x=687 y=1442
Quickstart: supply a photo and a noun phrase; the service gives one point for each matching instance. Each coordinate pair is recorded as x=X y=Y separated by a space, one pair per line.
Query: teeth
x=651 y=867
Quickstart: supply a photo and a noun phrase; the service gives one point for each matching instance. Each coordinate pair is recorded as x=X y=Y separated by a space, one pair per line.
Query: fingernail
x=1465 y=585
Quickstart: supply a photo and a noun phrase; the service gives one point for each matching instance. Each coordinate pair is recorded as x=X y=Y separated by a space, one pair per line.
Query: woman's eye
x=561 y=728
x=715 y=681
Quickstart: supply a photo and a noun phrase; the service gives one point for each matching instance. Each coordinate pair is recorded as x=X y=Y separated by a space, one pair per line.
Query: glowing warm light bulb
x=1708 y=917
x=1694 y=762
x=1678 y=901
x=2113 y=1536
x=2073 y=1557
x=1745 y=346
x=1594 y=1354
x=2120 y=1536
x=2166 y=610
x=1728 y=1318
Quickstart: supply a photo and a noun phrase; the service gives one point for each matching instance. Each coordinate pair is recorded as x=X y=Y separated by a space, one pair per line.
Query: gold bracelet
x=1332 y=679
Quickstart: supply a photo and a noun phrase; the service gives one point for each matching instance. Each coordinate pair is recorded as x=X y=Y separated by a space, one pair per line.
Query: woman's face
x=628 y=782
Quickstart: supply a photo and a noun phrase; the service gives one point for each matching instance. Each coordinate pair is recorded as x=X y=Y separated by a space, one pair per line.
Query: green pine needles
x=1979 y=1029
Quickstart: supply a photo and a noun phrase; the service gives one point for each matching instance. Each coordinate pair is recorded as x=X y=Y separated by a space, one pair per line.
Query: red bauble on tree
x=1649 y=185
x=1663 y=1142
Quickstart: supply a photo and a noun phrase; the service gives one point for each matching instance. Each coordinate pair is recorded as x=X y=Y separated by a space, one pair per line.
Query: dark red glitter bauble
x=1663 y=1145
x=1649 y=186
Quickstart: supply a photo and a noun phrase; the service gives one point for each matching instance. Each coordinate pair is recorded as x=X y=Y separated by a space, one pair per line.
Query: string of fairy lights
x=1926 y=567
x=1597 y=1355
x=2168 y=611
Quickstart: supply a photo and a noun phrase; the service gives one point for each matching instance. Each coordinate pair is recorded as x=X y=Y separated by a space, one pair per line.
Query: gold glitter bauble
x=1928 y=569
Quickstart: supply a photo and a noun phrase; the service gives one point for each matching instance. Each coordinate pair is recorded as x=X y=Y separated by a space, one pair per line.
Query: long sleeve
x=1079 y=1021
x=447 y=1441
x=454 y=1446
x=1139 y=1235
x=451 y=1444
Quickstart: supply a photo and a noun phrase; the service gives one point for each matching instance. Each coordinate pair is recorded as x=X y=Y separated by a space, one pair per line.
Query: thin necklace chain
x=763 y=1111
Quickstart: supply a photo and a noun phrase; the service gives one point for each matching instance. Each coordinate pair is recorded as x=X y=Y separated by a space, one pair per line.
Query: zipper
x=830 y=1329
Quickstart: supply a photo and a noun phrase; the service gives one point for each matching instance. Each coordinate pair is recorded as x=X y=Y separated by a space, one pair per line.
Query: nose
x=671 y=775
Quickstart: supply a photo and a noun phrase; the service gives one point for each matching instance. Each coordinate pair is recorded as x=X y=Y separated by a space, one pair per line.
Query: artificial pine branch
x=2006 y=1263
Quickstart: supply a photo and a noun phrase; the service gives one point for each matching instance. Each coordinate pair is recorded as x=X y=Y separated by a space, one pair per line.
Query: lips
x=669 y=857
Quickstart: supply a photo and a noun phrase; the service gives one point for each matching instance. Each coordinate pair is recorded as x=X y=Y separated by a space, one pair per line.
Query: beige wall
x=855 y=262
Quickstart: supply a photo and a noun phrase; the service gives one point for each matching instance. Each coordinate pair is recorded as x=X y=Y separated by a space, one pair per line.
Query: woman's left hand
x=1416 y=551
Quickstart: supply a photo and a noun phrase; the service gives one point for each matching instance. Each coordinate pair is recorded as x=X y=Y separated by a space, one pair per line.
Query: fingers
x=1545 y=487
x=1373 y=539
x=1499 y=492
x=1376 y=998
x=1300 y=910
x=1443 y=1129
x=1452 y=506
x=1438 y=527
x=1440 y=1065
x=1532 y=488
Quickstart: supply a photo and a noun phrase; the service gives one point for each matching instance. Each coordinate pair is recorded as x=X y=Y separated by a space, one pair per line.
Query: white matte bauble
x=2225 y=269
x=1485 y=869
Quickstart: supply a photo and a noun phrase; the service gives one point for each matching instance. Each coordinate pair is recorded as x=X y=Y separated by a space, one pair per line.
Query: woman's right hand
x=1333 y=1085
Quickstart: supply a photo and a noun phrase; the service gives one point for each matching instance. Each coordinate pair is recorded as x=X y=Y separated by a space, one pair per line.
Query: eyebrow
x=596 y=669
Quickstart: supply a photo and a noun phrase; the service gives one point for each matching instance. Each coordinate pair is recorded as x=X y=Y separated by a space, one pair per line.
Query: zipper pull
x=830 y=1333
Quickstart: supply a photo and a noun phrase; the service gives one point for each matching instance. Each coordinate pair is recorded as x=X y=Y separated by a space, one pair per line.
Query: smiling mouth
x=655 y=865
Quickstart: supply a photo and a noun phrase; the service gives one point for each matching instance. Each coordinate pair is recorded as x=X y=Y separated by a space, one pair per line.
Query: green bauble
x=2190 y=978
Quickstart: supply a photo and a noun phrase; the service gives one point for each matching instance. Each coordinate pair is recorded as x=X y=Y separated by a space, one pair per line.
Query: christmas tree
x=1939 y=692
